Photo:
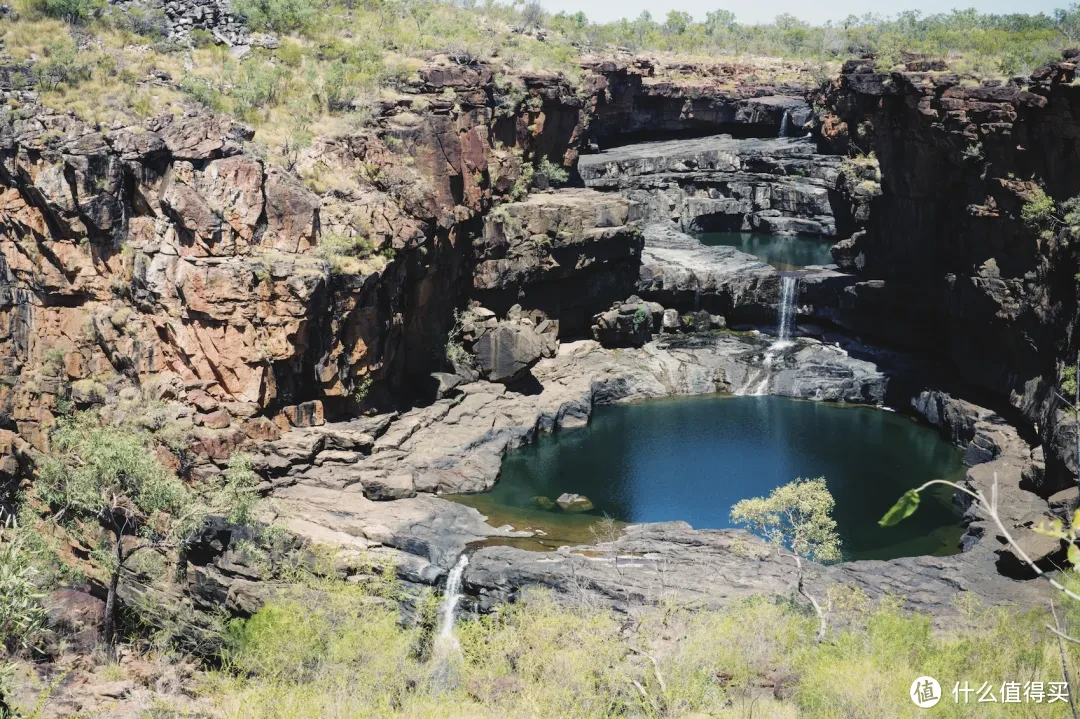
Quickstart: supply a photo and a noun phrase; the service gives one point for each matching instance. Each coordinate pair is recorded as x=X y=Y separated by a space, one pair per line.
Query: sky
x=815 y=11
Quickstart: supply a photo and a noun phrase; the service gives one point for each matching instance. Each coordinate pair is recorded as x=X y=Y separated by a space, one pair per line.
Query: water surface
x=693 y=458
x=784 y=252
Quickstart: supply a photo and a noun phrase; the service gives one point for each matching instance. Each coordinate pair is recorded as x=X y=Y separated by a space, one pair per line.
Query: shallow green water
x=693 y=458
x=784 y=252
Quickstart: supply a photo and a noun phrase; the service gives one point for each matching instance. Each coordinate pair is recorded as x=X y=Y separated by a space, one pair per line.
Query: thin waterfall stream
x=788 y=284
x=447 y=613
x=785 y=125
x=757 y=380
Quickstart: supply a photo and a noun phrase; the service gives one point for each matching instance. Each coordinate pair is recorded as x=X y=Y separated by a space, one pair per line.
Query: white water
x=785 y=125
x=757 y=383
x=787 y=308
x=451 y=598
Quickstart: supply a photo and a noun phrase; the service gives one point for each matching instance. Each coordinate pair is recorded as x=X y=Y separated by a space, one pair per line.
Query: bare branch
x=1063 y=635
x=645 y=695
x=656 y=669
x=992 y=513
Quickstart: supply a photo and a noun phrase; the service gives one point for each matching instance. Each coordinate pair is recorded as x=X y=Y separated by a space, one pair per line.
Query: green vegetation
x=555 y=174
x=333 y=650
x=108 y=475
x=338 y=58
x=796 y=517
x=105 y=473
x=22 y=617
x=1039 y=210
x=347 y=255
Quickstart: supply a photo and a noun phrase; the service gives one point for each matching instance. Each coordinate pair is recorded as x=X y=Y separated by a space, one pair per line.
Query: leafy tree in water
x=797 y=518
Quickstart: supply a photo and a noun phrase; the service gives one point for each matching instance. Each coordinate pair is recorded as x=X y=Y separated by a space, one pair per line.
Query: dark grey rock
x=506 y=352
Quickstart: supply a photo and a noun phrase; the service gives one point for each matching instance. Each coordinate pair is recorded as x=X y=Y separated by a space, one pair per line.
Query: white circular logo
x=925 y=692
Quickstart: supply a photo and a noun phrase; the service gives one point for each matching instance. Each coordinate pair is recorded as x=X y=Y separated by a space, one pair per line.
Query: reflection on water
x=693 y=458
x=784 y=252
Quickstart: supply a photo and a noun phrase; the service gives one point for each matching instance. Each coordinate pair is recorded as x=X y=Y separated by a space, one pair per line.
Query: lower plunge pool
x=692 y=458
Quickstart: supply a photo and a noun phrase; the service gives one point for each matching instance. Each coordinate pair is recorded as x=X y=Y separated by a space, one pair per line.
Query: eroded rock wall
x=947 y=265
x=169 y=259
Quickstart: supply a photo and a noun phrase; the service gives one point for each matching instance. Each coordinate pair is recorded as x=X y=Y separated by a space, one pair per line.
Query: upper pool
x=693 y=458
x=784 y=252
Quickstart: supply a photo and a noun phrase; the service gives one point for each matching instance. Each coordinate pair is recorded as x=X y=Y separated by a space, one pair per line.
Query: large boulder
x=507 y=351
x=504 y=350
x=627 y=324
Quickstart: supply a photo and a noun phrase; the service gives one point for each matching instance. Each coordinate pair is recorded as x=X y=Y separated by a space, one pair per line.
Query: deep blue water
x=784 y=252
x=693 y=458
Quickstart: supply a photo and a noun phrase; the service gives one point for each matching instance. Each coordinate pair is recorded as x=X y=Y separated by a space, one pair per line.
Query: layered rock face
x=719 y=183
x=165 y=259
x=640 y=98
x=567 y=253
x=946 y=255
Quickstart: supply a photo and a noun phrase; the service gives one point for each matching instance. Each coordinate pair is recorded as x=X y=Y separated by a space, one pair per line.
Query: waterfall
x=787 y=307
x=756 y=383
x=785 y=125
x=451 y=597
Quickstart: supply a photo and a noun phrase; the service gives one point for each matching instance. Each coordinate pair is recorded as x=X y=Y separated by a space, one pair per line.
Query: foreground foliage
x=344 y=655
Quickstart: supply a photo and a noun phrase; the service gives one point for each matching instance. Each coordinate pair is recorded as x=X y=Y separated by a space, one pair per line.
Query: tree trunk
x=108 y=627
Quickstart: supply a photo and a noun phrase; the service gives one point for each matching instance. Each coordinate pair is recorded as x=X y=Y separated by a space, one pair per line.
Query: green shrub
x=202 y=38
x=22 y=616
x=344 y=253
x=280 y=16
x=256 y=83
x=198 y=89
x=555 y=174
x=1039 y=211
x=64 y=64
x=72 y=11
x=797 y=517
x=331 y=649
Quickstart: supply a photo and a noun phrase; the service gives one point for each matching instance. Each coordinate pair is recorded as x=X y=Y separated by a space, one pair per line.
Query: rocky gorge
x=167 y=265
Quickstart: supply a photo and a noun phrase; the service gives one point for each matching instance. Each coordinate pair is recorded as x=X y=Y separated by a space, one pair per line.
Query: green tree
x=796 y=517
x=107 y=473
x=677 y=22
x=718 y=22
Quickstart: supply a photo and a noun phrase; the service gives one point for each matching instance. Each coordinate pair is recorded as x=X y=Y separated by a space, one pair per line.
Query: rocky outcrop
x=946 y=254
x=567 y=253
x=627 y=324
x=638 y=98
x=505 y=350
x=720 y=183
x=656 y=563
x=163 y=255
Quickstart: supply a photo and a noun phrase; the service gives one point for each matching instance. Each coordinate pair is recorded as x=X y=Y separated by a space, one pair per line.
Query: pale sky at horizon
x=813 y=11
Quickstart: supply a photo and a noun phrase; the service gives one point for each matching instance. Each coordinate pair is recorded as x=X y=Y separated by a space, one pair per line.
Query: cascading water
x=451 y=598
x=788 y=285
x=785 y=125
